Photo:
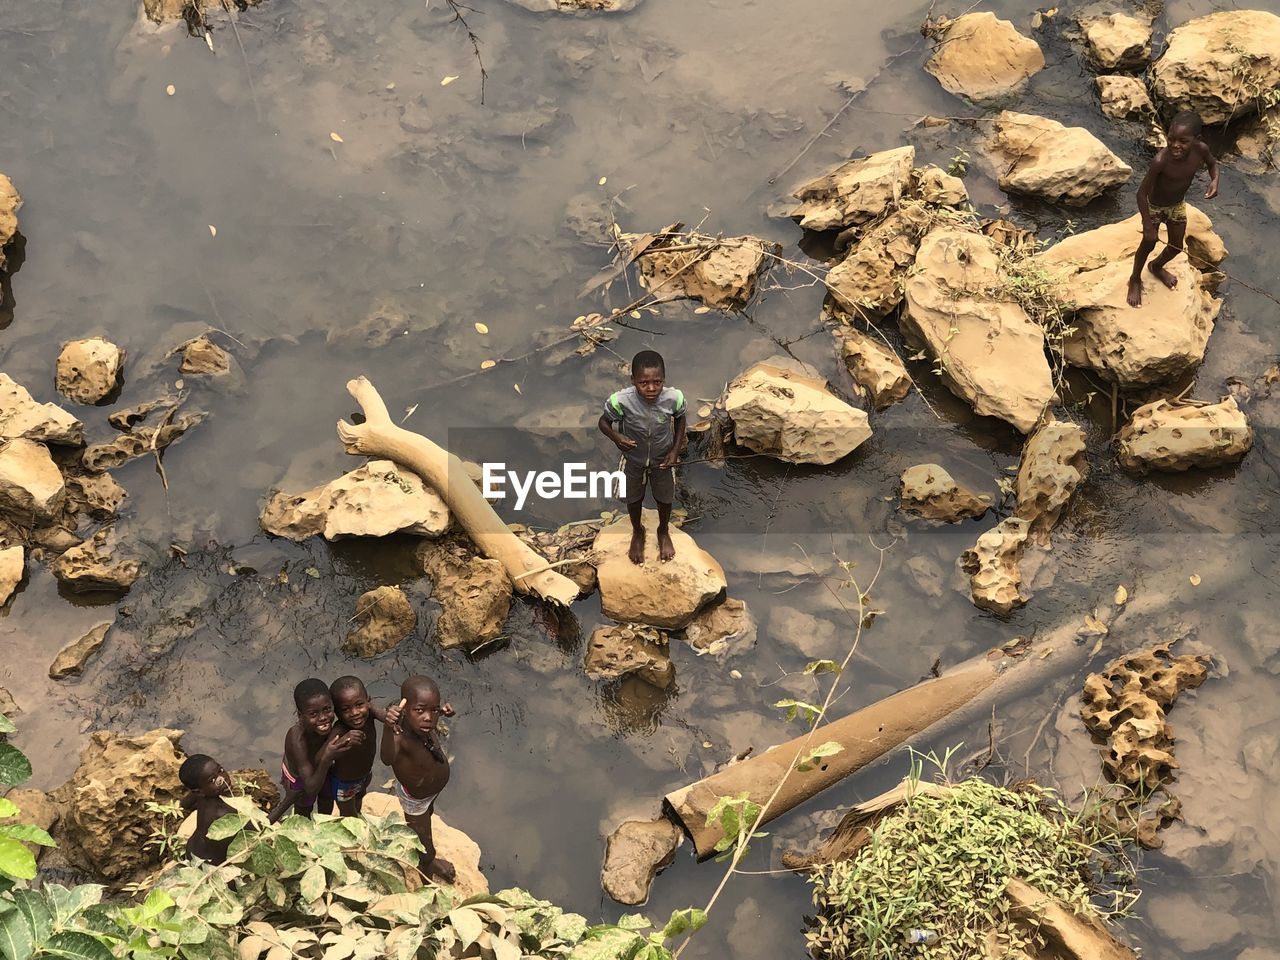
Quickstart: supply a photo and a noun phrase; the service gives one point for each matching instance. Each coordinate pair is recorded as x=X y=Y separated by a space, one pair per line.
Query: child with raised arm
x=1161 y=198
x=208 y=783
x=310 y=747
x=647 y=423
x=352 y=771
x=411 y=747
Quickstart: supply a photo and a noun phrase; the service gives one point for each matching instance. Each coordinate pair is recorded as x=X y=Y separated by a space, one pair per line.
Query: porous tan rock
x=88 y=370
x=1220 y=64
x=1042 y=158
x=9 y=204
x=634 y=854
x=935 y=186
x=1053 y=465
x=659 y=593
x=870 y=277
x=383 y=618
x=1258 y=141
x=21 y=417
x=374 y=500
x=97 y=494
x=1117 y=41
x=722 y=273
x=721 y=627
x=982 y=57
x=451 y=844
x=1082 y=252
x=474 y=595
x=856 y=192
x=994 y=360
x=873 y=366
x=929 y=491
x=995 y=580
x=38 y=809
x=71 y=659
x=31 y=486
x=616 y=652
x=1172 y=437
x=1123 y=97
x=143 y=442
x=784 y=411
x=106 y=823
x=12 y=568
x=204 y=358
x=93 y=565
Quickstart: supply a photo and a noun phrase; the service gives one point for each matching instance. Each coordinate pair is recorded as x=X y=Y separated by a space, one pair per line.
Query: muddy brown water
x=456 y=213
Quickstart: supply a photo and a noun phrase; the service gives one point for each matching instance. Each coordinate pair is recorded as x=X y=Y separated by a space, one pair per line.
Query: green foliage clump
x=941 y=863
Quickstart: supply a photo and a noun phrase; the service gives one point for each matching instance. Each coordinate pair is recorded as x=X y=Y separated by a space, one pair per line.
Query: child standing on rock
x=647 y=423
x=352 y=771
x=310 y=747
x=1161 y=198
x=411 y=747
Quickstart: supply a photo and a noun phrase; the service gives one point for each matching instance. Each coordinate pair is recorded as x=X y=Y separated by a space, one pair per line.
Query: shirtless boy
x=411 y=747
x=208 y=783
x=310 y=747
x=352 y=771
x=1161 y=198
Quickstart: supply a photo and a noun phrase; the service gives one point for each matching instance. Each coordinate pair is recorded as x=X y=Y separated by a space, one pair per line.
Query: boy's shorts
x=1174 y=213
x=638 y=476
x=344 y=791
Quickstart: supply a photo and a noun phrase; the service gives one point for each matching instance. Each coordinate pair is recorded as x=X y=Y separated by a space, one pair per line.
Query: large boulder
x=1042 y=158
x=1117 y=41
x=856 y=192
x=721 y=272
x=1053 y=465
x=21 y=417
x=31 y=486
x=9 y=204
x=107 y=821
x=88 y=371
x=1119 y=241
x=1173 y=437
x=658 y=593
x=384 y=617
x=784 y=411
x=474 y=594
x=616 y=652
x=634 y=854
x=991 y=354
x=374 y=500
x=1123 y=97
x=12 y=568
x=1220 y=65
x=873 y=366
x=995 y=580
x=929 y=491
x=870 y=276
x=982 y=57
x=93 y=565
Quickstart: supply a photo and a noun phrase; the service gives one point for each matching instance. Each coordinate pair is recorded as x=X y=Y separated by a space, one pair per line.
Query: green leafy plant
x=736 y=817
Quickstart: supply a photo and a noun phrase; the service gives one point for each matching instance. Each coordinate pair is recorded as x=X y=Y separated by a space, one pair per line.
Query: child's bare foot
x=1165 y=277
x=636 y=553
x=1135 y=292
x=666 y=549
x=441 y=870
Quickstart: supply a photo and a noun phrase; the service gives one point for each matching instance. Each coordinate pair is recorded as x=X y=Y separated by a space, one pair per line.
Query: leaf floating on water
x=447 y=80
x=1122 y=596
x=313 y=573
x=518 y=390
x=602 y=181
x=701 y=310
x=213 y=231
x=1195 y=579
x=171 y=89
x=335 y=138
x=635 y=314
x=208 y=39
x=1096 y=626
x=481 y=328
x=488 y=363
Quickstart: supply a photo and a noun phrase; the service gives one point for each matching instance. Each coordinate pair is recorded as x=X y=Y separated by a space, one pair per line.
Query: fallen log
x=379 y=437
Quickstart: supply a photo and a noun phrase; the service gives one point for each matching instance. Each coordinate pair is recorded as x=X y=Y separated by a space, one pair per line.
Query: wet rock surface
x=995 y=580
x=373 y=500
x=10 y=201
x=870 y=277
x=783 y=410
x=721 y=628
x=95 y=494
x=204 y=358
x=474 y=595
x=720 y=272
x=857 y=192
x=1042 y=158
x=88 y=371
x=995 y=359
x=94 y=565
x=1117 y=41
x=31 y=486
x=982 y=57
x=1092 y=249
x=21 y=417
x=72 y=658
x=1214 y=64
x=384 y=617
x=661 y=594
x=142 y=442
x=1052 y=466
x=927 y=490
x=873 y=366
x=1173 y=437
x=12 y=569
x=634 y=854
x=1122 y=97
x=616 y=652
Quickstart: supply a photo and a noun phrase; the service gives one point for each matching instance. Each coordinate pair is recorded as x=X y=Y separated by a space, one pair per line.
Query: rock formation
x=93 y=565
x=383 y=618
x=31 y=486
x=12 y=569
x=721 y=627
x=722 y=273
x=9 y=204
x=71 y=659
x=474 y=595
x=873 y=366
x=928 y=491
x=202 y=357
x=88 y=371
x=1172 y=437
x=1042 y=158
x=21 y=417
x=616 y=652
x=1053 y=465
x=982 y=57
x=1117 y=41
x=1218 y=65
x=995 y=581
x=143 y=442
x=1123 y=97
x=634 y=854
x=856 y=192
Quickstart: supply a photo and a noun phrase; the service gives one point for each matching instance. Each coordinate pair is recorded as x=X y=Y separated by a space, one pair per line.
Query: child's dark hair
x=343 y=684
x=192 y=769
x=309 y=689
x=419 y=683
x=1189 y=120
x=647 y=360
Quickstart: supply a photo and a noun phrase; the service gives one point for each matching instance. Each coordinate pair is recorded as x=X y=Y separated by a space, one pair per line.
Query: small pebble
x=736 y=674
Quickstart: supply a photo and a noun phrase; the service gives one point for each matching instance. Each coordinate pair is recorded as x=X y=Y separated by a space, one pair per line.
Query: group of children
x=328 y=760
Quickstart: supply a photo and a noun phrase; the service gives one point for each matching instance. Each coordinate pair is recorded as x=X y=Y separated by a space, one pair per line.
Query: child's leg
x=663 y=483
x=429 y=865
x=324 y=802
x=1177 y=233
x=1150 y=235
x=666 y=548
x=635 y=510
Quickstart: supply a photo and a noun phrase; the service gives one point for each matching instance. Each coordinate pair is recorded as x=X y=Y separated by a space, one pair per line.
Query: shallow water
x=456 y=213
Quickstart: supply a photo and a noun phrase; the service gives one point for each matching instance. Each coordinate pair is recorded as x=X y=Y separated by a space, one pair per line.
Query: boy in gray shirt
x=646 y=421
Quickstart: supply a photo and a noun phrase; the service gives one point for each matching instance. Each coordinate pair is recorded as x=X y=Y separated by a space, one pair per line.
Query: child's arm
x=391 y=734
x=673 y=455
x=1212 y=163
x=623 y=443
